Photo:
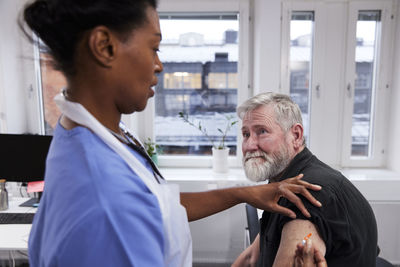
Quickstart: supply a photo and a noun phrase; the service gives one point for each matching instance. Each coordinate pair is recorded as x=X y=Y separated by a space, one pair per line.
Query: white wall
x=198 y=6
x=13 y=104
x=18 y=90
x=394 y=128
x=267 y=45
x=220 y=237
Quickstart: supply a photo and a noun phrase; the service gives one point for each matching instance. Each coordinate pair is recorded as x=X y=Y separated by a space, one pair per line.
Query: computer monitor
x=23 y=158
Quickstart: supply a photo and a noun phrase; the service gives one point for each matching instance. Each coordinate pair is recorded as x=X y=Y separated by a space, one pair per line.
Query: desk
x=15 y=236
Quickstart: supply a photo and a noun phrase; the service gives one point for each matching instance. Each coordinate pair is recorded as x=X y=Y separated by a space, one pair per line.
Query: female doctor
x=105 y=203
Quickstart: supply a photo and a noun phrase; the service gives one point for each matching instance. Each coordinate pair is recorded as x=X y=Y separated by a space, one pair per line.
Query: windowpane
x=181 y=80
x=52 y=83
x=301 y=40
x=365 y=57
x=217 y=80
x=200 y=54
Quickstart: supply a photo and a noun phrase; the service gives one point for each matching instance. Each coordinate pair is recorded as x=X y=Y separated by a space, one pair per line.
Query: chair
x=381 y=262
x=253 y=223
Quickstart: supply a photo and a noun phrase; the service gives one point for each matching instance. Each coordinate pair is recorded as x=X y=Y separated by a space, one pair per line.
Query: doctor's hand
x=307 y=255
x=266 y=196
x=202 y=204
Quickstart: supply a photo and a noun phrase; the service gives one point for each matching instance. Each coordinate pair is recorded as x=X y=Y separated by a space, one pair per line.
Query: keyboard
x=16 y=218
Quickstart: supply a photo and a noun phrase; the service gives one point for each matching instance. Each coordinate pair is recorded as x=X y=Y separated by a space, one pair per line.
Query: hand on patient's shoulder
x=307 y=255
x=288 y=189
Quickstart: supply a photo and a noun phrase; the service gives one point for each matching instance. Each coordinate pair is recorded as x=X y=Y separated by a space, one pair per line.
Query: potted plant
x=220 y=151
x=152 y=148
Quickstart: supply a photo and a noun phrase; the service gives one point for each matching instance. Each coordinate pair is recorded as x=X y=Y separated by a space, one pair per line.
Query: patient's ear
x=103 y=44
x=297 y=132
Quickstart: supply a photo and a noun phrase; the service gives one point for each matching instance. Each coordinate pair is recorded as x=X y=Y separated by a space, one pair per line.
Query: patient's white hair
x=287 y=113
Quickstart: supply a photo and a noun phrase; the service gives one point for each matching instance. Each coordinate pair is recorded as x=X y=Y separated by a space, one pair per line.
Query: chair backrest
x=381 y=262
x=253 y=222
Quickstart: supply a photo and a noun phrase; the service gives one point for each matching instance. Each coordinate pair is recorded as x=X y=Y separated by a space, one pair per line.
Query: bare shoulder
x=294 y=232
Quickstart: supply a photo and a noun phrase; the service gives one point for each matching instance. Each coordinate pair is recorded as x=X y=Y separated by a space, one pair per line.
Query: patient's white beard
x=268 y=167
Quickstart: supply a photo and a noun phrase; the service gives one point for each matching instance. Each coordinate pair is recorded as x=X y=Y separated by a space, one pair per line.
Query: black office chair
x=381 y=262
x=253 y=223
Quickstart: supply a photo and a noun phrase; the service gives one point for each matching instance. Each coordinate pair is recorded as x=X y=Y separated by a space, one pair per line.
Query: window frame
x=330 y=128
x=3 y=122
x=39 y=86
x=330 y=141
x=382 y=83
x=318 y=94
x=317 y=51
x=145 y=118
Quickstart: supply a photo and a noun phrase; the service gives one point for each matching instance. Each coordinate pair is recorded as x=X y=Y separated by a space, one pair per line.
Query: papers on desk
x=35 y=187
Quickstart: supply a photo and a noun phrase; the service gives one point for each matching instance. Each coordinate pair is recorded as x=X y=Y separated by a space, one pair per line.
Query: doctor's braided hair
x=60 y=24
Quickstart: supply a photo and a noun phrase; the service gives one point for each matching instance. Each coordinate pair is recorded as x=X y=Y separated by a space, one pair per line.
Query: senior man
x=343 y=230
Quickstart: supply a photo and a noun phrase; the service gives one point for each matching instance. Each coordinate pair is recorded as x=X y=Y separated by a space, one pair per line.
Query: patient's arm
x=294 y=232
x=249 y=257
x=308 y=256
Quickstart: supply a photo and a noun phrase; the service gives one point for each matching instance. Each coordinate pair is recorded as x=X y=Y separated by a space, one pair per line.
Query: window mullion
x=348 y=87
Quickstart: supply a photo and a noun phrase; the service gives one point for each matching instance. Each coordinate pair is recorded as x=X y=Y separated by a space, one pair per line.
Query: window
x=52 y=83
x=201 y=55
x=339 y=75
x=367 y=79
x=334 y=65
x=301 y=49
x=199 y=52
x=2 y=103
x=367 y=34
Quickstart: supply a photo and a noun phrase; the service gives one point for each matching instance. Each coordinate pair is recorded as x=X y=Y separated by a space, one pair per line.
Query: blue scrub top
x=95 y=211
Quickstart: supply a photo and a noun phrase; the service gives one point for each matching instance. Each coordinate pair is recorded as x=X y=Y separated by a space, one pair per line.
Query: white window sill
x=370 y=174
x=202 y=174
x=237 y=174
x=378 y=185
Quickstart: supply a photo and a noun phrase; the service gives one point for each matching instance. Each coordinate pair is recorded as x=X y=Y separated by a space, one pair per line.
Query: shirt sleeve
x=330 y=220
x=129 y=235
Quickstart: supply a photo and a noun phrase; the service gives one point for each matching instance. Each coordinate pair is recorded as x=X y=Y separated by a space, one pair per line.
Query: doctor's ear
x=103 y=45
x=297 y=132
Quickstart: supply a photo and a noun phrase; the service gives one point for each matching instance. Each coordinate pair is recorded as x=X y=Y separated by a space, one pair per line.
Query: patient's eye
x=245 y=134
x=262 y=131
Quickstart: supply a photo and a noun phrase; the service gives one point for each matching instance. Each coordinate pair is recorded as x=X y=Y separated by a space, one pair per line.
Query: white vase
x=220 y=160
